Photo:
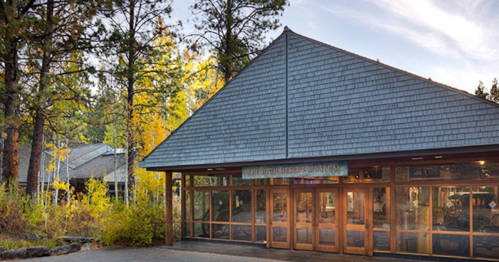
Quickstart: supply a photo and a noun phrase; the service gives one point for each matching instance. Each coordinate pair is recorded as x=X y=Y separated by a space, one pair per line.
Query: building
x=315 y=148
x=83 y=163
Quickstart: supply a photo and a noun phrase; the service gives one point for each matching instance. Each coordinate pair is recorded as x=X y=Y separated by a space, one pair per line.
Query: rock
x=86 y=247
x=78 y=239
x=21 y=252
x=38 y=251
x=65 y=249
x=33 y=237
x=1 y=250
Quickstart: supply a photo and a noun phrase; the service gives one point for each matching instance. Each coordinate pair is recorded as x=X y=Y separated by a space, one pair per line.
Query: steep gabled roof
x=301 y=98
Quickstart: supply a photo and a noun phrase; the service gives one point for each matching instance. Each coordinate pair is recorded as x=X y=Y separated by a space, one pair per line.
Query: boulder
x=38 y=251
x=86 y=247
x=65 y=249
x=15 y=253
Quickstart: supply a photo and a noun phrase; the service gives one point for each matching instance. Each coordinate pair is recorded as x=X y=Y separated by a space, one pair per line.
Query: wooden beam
x=169 y=209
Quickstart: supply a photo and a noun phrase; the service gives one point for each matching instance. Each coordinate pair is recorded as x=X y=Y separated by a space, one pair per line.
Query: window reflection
x=412 y=209
x=451 y=208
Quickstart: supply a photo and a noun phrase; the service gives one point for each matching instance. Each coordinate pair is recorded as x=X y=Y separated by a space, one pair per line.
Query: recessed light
x=220 y=168
x=438 y=157
x=210 y=169
x=417 y=158
x=482 y=162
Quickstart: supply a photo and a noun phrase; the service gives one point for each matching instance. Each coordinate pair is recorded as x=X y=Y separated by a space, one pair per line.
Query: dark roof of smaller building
x=99 y=167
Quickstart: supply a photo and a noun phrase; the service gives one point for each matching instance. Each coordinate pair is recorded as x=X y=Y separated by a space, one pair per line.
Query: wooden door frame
x=303 y=246
x=366 y=227
x=273 y=223
x=335 y=227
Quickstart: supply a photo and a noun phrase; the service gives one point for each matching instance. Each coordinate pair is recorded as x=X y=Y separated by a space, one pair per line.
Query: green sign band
x=317 y=169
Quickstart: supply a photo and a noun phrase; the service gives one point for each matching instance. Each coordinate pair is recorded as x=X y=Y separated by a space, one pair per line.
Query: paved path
x=189 y=251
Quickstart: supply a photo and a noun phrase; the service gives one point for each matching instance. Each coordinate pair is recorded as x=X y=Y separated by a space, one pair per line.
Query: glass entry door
x=356 y=221
x=279 y=223
x=315 y=224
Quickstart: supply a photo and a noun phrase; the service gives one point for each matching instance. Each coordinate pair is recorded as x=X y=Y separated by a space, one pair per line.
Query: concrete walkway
x=188 y=251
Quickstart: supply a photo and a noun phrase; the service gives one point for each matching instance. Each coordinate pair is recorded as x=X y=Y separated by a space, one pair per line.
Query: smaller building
x=84 y=162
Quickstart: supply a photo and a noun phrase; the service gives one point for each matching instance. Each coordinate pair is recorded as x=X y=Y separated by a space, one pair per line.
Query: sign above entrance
x=317 y=169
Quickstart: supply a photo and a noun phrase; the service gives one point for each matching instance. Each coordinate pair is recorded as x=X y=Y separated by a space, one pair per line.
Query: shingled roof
x=301 y=98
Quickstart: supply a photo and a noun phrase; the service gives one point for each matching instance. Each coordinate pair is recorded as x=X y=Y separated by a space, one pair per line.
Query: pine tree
x=234 y=29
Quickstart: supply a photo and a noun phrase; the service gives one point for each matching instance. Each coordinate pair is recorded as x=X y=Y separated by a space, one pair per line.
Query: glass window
x=187 y=229
x=237 y=180
x=412 y=242
x=412 y=207
x=241 y=206
x=368 y=174
x=380 y=212
x=381 y=240
x=451 y=209
x=353 y=176
x=211 y=180
x=187 y=180
x=485 y=209
x=316 y=180
x=261 y=234
x=201 y=230
x=187 y=205
x=241 y=233
x=452 y=245
x=221 y=231
x=261 y=206
x=220 y=202
x=486 y=246
x=202 y=205
x=478 y=170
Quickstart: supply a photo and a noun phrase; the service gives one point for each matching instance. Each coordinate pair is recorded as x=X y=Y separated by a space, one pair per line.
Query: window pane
x=477 y=170
x=242 y=233
x=261 y=206
x=241 y=206
x=202 y=205
x=304 y=207
x=485 y=209
x=380 y=213
x=211 y=180
x=280 y=234
x=280 y=206
x=355 y=208
x=452 y=245
x=316 y=180
x=187 y=205
x=327 y=208
x=376 y=174
x=355 y=238
x=237 y=180
x=412 y=209
x=187 y=180
x=261 y=234
x=327 y=237
x=279 y=181
x=201 y=230
x=220 y=205
x=221 y=231
x=304 y=235
x=486 y=246
x=353 y=176
x=381 y=240
x=451 y=208
x=187 y=229
x=413 y=242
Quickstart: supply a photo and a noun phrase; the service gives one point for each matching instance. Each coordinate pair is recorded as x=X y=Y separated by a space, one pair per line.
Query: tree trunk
x=131 y=91
x=36 y=145
x=11 y=147
x=228 y=35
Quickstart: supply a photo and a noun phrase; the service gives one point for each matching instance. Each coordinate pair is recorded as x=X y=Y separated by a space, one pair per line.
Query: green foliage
x=481 y=91
x=234 y=29
x=12 y=204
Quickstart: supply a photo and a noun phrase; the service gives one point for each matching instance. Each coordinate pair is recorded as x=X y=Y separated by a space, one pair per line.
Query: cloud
x=460 y=28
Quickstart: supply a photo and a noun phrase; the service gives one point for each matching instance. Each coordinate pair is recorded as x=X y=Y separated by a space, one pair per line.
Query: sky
x=453 y=42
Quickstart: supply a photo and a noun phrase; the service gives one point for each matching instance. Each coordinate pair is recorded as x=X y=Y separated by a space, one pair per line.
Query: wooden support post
x=169 y=209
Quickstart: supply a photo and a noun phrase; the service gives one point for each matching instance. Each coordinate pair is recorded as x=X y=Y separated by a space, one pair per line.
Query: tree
x=234 y=29
x=481 y=91
x=135 y=26
x=58 y=35
x=13 y=24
